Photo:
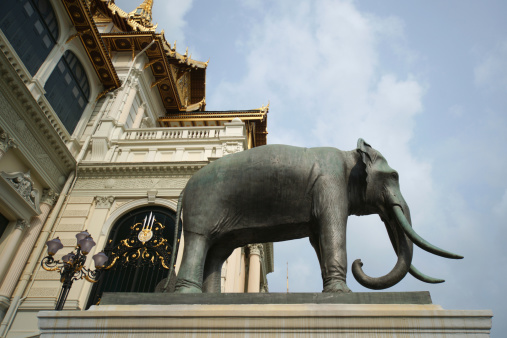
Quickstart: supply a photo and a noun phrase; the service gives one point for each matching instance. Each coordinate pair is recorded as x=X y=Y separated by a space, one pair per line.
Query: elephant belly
x=250 y=191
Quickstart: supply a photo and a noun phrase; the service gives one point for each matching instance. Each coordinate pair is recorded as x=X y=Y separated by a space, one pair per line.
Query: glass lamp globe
x=100 y=259
x=82 y=235
x=86 y=245
x=54 y=245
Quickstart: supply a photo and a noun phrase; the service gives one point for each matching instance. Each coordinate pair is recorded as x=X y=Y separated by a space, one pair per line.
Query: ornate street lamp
x=72 y=266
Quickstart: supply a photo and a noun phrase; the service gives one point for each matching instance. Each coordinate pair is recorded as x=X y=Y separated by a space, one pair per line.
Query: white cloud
x=170 y=15
x=492 y=71
x=500 y=209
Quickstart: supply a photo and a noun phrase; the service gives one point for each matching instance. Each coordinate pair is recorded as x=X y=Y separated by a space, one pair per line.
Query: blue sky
x=424 y=82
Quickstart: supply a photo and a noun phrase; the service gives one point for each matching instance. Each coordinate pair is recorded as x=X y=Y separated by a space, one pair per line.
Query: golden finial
x=264 y=108
x=142 y=14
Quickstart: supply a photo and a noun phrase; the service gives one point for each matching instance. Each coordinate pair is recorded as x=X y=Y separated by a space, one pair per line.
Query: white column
x=49 y=65
x=11 y=247
x=254 y=272
x=127 y=105
x=19 y=260
x=139 y=116
x=242 y=266
x=6 y=142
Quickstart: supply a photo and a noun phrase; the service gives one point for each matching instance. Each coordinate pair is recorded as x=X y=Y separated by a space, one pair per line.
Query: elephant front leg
x=331 y=224
x=333 y=253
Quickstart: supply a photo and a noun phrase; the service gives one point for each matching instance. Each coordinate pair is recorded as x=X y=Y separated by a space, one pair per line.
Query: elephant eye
x=395 y=176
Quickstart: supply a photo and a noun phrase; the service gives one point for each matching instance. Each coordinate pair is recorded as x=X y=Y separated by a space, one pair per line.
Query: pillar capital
x=21 y=224
x=256 y=249
x=264 y=287
x=49 y=197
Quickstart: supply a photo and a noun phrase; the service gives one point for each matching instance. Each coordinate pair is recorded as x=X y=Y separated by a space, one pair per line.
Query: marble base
x=266 y=320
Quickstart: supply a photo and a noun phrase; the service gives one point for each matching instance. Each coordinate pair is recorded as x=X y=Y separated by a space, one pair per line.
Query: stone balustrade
x=173 y=133
x=172 y=144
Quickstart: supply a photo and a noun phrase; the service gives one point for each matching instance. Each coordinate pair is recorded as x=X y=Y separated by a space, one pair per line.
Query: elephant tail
x=175 y=242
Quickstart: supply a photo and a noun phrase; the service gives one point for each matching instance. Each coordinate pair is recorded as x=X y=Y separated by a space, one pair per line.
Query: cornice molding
x=144 y=169
x=24 y=119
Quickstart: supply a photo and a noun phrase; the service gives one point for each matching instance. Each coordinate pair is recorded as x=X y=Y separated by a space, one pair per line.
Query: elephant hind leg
x=314 y=241
x=190 y=275
x=213 y=268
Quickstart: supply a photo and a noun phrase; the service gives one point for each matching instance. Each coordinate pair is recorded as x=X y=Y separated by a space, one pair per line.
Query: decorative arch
x=68 y=90
x=139 y=247
x=32 y=28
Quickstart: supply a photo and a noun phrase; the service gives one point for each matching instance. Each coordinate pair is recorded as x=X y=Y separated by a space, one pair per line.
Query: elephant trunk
x=403 y=247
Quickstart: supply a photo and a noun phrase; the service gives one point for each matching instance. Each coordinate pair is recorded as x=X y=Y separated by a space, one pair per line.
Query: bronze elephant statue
x=276 y=193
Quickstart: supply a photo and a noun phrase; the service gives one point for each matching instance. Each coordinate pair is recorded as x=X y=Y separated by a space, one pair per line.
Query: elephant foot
x=185 y=286
x=337 y=287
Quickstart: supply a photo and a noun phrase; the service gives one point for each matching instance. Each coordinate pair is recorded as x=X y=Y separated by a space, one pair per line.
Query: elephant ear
x=358 y=179
x=366 y=151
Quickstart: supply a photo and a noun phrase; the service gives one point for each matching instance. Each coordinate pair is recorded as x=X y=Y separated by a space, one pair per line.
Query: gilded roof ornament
x=264 y=109
x=138 y=21
x=143 y=15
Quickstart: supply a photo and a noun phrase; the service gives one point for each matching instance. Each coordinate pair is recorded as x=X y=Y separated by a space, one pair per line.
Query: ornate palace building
x=102 y=122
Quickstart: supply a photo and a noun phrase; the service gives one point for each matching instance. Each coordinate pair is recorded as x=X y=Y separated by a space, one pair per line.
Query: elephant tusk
x=418 y=240
x=422 y=277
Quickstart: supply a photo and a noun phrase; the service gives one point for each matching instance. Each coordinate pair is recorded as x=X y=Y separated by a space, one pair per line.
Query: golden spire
x=142 y=14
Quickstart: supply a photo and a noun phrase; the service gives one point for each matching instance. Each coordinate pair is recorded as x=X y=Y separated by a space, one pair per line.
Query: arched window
x=68 y=90
x=31 y=28
x=139 y=248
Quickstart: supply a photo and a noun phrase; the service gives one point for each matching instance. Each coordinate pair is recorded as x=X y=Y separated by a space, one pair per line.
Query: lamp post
x=72 y=266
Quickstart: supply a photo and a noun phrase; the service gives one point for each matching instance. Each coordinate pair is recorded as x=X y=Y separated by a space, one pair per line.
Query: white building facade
x=102 y=122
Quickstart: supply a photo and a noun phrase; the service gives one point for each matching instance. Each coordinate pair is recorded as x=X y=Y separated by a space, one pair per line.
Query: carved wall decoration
x=184 y=87
x=6 y=142
x=103 y=202
x=232 y=147
x=23 y=184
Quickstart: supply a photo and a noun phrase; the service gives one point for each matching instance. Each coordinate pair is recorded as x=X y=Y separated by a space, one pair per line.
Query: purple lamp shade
x=86 y=244
x=54 y=245
x=100 y=259
x=82 y=235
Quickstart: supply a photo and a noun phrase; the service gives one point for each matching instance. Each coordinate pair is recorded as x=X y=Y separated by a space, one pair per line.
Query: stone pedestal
x=317 y=319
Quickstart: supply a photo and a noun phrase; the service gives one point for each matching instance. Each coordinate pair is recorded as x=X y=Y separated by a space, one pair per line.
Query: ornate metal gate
x=139 y=250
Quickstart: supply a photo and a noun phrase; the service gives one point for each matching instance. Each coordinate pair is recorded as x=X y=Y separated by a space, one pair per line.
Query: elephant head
x=374 y=188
